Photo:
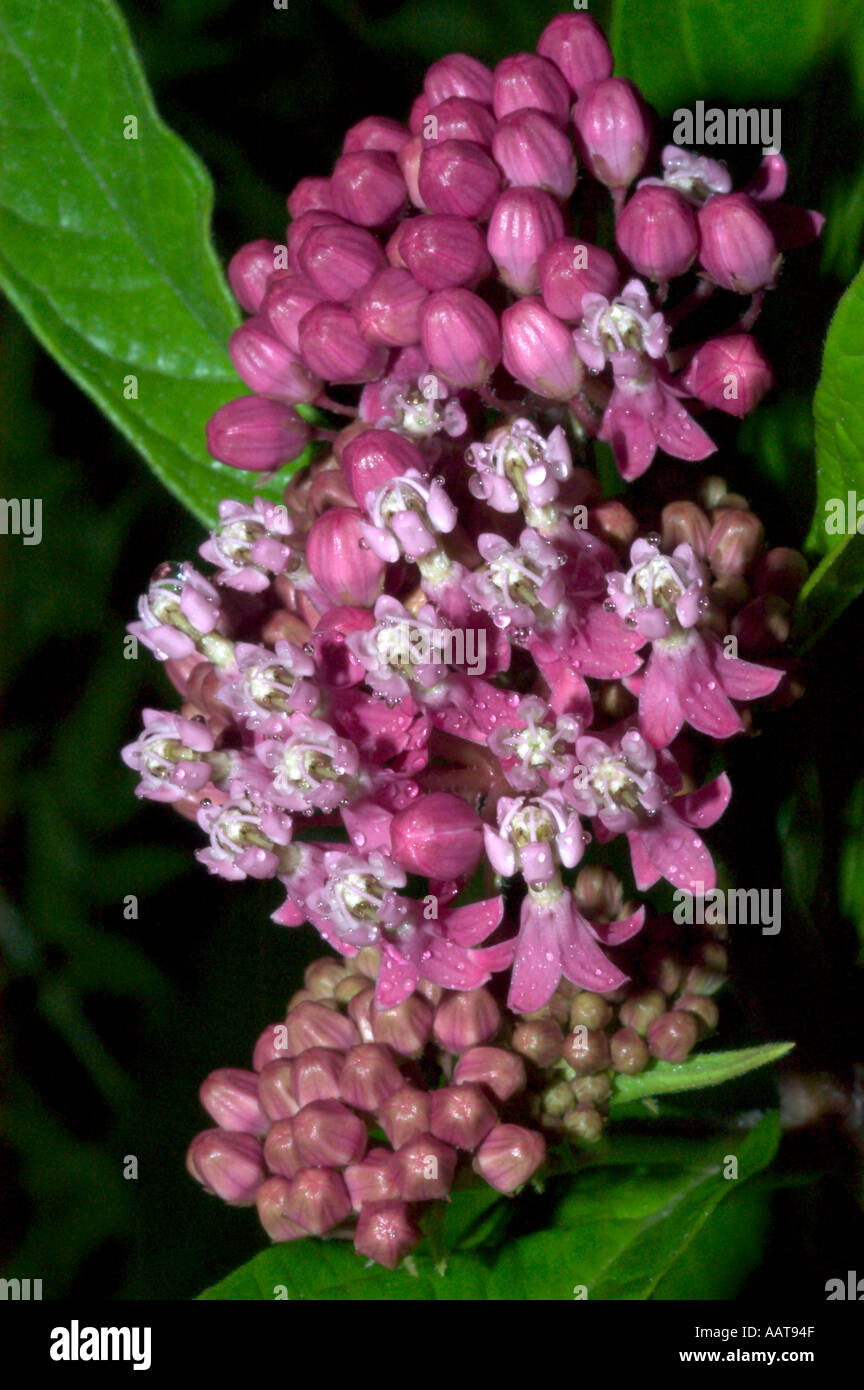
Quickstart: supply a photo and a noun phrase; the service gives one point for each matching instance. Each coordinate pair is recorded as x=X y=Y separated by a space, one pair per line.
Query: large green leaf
x=700 y=1070
x=104 y=240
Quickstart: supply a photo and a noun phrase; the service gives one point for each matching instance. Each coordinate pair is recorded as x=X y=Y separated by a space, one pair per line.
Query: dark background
x=110 y=1024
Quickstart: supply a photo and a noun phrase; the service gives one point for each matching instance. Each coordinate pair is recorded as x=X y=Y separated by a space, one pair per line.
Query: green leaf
x=104 y=240
x=839 y=413
x=702 y=1069
x=800 y=832
x=851 y=862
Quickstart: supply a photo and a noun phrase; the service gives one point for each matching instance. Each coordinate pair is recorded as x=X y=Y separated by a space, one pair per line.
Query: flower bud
x=586 y=1051
x=761 y=626
x=270 y=1200
x=347 y=571
x=275 y=1090
x=539 y=351
x=230 y=1097
x=673 y=1035
x=443 y=251
x=737 y=249
x=230 y=1165
x=315 y=1075
x=370 y=1181
x=249 y=269
x=267 y=366
x=388 y=309
x=341 y=260
x=458 y=75
x=533 y=152
x=782 y=572
x=730 y=374
x=408 y=160
x=736 y=539
x=256 y=435
x=317 y=1200
x=406 y=1028
x=314 y=1025
x=367 y=187
x=526 y=80
x=708 y=974
x=501 y=1072
x=568 y=270
x=640 y=1009
x=329 y=1135
x=374 y=458
x=438 y=836
x=657 y=232
x=509 y=1156
x=404 y=1115
x=585 y=1123
x=460 y=337
x=703 y=1008
x=578 y=48
x=461 y=1116
x=592 y=1090
x=298 y=232
x=310 y=195
x=369 y=1076
x=458 y=118
x=629 y=1052
x=612 y=131
x=615 y=523
x=540 y=1040
x=589 y=1010
x=375 y=133
x=466 y=1019
x=685 y=522
x=272 y=1045
x=332 y=347
x=351 y=985
x=524 y=222
x=288 y=300
x=423 y=1169
x=458 y=176
x=322 y=976
x=385 y=1233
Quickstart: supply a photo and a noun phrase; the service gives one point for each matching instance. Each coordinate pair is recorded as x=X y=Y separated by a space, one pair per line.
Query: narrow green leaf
x=702 y=1069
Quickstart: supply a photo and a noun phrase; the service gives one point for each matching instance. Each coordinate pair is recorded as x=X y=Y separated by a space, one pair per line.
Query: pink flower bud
x=369 y=1076
x=458 y=118
x=256 y=435
x=408 y=160
x=423 y=1169
x=340 y=260
x=385 y=1233
x=438 y=836
x=457 y=176
x=509 y=1156
x=310 y=194
x=612 y=131
x=375 y=457
x=737 y=537
x=270 y=1200
x=370 y=1181
x=388 y=309
x=280 y=1149
x=539 y=351
x=672 y=1036
x=524 y=222
x=533 y=152
x=289 y=298
x=442 y=251
x=315 y=1075
x=730 y=374
x=360 y=1010
x=348 y=571
x=268 y=367
x=230 y=1097
x=404 y=1115
x=249 y=269
x=314 y=1025
x=458 y=75
x=375 y=133
x=329 y=1135
x=738 y=249
x=657 y=232
x=501 y=1072
x=275 y=1090
x=578 y=48
x=685 y=522
x=461 y=1116
x=420 y=109
x=299 y=230
x=229 y=1165
x=525 y=80
x=406 y=1028
x=272 y=1045
x=568 y=270
x=466 y=1019
x=317 y=1200
x=332 y=347
x=367 y=187
x=460 y=337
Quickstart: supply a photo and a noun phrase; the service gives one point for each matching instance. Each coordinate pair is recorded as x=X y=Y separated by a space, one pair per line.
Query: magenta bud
x=299 y=230
x=309 y=195
x=730 y=374
x=526 y=80
x=315 y=1075
x=420 y=109
x=406 y=1028
x=612 y=131
x=280 y=1149
x=369 y=1076
x=524 y=222
x=461 y=337
x=248 y=272
x=422 y=1170
x=370 y=1181
x=461 y=1116
x=466 y=1019
x=738 y=249
x=442 y=251
x=314 y=1025
x=333 y=348
x=268 y=367
x=385 y=1233
x=271 y=1200
x=458 y=176
x=509 y=1156
x=672 y=1036
x=781 y=572
x=275 y=1090
x=368 y=187
x=375 y=457
x=578 y=48
x=404 y=1115
x=230 y=1097
x=458 y=118
x=736 y=539
x=375 y=133
x=438 y=836
x=256 y=435
x=408 y=160
x=539 y=351
x=503 y=1073
x=458 y=75
x=229 y=1165
x=329 y=1135
x=685 y=522
x=568 y=270
x=341 y=561
x=533 y=152
x=272 y=1044
x=658 y=233
x=288 y=300
x=388 y=309
x=340 y=260
x=317 y=1200
x=360 y=1010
